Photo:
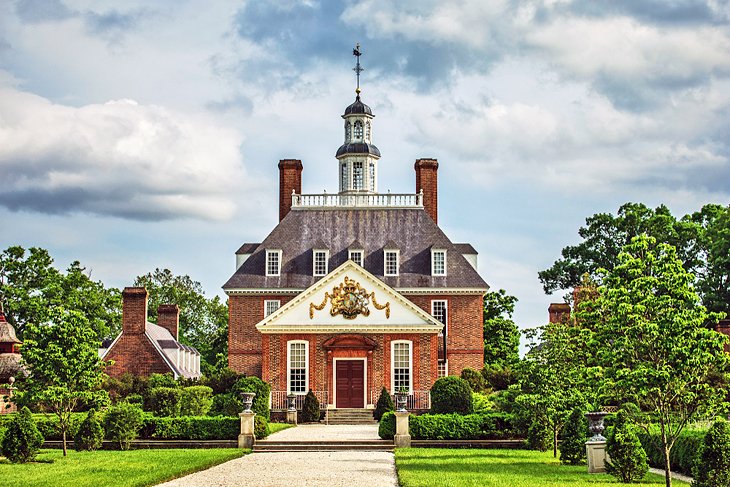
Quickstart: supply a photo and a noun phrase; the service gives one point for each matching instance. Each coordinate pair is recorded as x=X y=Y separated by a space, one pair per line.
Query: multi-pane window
x=357 y=175
x=358 y=129
x=372 y=176
x=401 y=361
x=271 y=305
x=298 y=361
x=320 y=262
x=356 y=257
x=439 y=310
x=438 y=262
x=391 y=262
x=367 y=131
x=273 y=262
x=347 y=131
x=443 y=369
x=343 y=176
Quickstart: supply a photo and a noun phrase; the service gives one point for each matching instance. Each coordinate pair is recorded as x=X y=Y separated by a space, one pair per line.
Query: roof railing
x=378 y=200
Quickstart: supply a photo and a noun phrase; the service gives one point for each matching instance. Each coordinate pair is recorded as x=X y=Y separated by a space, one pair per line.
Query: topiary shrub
x=260 y=427
x=386 y=429
x=573 y=439
x=136 y=399
x=712 y=464
x=385 y=404
x=451 y=395
x=310 y=410
x=165 y=401
x=475 y=379
x=90 y=434
x=539 y=437
x=228 y=404
x=122 y=423
x=195 y=400
x=627 y=457
x=22 y=440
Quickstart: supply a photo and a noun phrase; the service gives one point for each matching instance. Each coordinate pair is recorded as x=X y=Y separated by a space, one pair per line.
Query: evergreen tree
x=573 y=435
x=628 y=458
x=90 y=434
x=310 y=410
x=22 y=439
x=385 y=404
x=712 y=465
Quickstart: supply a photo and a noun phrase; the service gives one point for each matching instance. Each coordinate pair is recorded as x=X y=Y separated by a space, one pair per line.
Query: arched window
x=358 y=129
x=347 y=131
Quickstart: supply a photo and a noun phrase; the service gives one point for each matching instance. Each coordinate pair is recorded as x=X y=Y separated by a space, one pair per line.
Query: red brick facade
x=290 y=179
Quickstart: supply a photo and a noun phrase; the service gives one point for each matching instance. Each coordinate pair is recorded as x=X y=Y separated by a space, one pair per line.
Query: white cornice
x=347 y=328
x=256 y=292
x=406 y=290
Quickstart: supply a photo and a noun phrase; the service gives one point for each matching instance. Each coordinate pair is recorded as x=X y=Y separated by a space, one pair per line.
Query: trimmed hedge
x=489 y=426
x=195 y=401
x=191 y=428
x=682 y=456
x=165 y=401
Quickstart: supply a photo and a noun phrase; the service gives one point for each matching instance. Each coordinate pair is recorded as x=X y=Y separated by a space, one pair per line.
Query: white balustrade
x=384 y=200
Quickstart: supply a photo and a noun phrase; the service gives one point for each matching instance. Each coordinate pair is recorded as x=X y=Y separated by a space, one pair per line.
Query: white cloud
x=118 y=158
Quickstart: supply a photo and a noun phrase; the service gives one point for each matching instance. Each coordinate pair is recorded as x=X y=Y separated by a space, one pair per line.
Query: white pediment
x=349 y=299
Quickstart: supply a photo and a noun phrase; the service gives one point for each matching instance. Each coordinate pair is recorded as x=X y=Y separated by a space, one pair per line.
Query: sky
x=137 y=134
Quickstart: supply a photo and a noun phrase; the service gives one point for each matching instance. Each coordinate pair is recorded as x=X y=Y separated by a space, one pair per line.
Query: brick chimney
x=168 y=317
x=559 y=312
x=723 y=326
x=134 y=310
x=290 y=179
x=426 y=180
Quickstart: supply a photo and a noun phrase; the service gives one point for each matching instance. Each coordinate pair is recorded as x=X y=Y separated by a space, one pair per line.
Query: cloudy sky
x=138 y=134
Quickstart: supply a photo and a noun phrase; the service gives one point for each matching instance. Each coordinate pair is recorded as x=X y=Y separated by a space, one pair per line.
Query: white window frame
x=270 y=253
x=326 y=253
x=443 y=368
x=446 y=313
x=434 y=252
x=361 y=253
x=385 y=262
x=271 y=303
x=358 y=175
x=288 y=366
x=357 y=130
x=392 y=364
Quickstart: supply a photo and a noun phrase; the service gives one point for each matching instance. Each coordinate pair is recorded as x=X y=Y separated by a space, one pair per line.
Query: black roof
x=358 y=108
x=358 y=148
x=411 y=231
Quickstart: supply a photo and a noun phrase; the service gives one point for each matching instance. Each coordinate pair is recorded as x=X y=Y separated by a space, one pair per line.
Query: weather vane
x=358 y=69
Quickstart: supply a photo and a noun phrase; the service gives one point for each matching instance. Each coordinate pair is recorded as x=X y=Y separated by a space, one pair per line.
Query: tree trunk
x=667 y=468
x=555 y=442
x=64 y=442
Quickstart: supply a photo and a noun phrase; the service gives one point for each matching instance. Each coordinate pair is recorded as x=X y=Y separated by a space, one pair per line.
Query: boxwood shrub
x=195 y=400
x=165 y=401
x=489 y=426
x=682 y=455
x=451 y=395
x=386 y=429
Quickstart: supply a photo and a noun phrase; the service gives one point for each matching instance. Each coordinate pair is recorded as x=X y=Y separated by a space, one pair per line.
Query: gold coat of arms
x=349 y=299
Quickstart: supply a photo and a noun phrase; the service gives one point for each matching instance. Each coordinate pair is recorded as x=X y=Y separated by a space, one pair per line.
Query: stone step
x=323 y=445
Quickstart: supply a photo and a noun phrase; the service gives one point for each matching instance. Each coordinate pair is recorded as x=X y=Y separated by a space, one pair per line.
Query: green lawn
x=112 y=468
x=428 y=467
x=276 y=427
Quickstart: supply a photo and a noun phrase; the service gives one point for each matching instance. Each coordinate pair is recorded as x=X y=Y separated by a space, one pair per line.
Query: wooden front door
x=350 y=384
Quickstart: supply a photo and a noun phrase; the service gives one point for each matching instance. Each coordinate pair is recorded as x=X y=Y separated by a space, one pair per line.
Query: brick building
x=144 y=348
x=355 y=290
x=11 y=367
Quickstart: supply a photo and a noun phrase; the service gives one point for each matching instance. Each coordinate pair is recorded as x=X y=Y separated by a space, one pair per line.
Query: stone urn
x=595 y=425
x=247 y=401
x=291 y=402
x=401 y=399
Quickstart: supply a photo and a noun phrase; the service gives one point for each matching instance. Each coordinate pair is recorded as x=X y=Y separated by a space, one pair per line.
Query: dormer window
x=358 y=130
x=356 y=256
x=438 y=262
x=321 y=260
x=273 y=262
x=391 y=262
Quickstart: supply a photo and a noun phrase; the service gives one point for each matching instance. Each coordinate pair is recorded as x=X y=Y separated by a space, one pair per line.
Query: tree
x=501 y=336
x=573 y=444
x=30 y=286
x=652 y=341
x=203 y=322
x=712 y=464
x=22 y=440
x=701 y=240
x=627 y=457
x=65 y=370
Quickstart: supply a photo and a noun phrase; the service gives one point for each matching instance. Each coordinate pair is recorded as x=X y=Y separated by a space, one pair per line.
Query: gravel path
x=675 y=475
x=292 y=469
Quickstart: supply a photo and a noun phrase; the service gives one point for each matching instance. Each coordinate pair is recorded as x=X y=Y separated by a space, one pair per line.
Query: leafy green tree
x=203 y=322
x=627 y=457
x=501 y=336
x=652 y=341
x=30 y=286
x=65 y=370
x=701 y=240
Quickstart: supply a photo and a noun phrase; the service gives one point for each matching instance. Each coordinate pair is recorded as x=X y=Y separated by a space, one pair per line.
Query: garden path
x=330 y=469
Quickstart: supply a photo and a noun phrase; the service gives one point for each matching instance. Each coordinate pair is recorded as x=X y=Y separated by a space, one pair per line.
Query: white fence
x=387 y=200
x=416 y=399
x=279 y=400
